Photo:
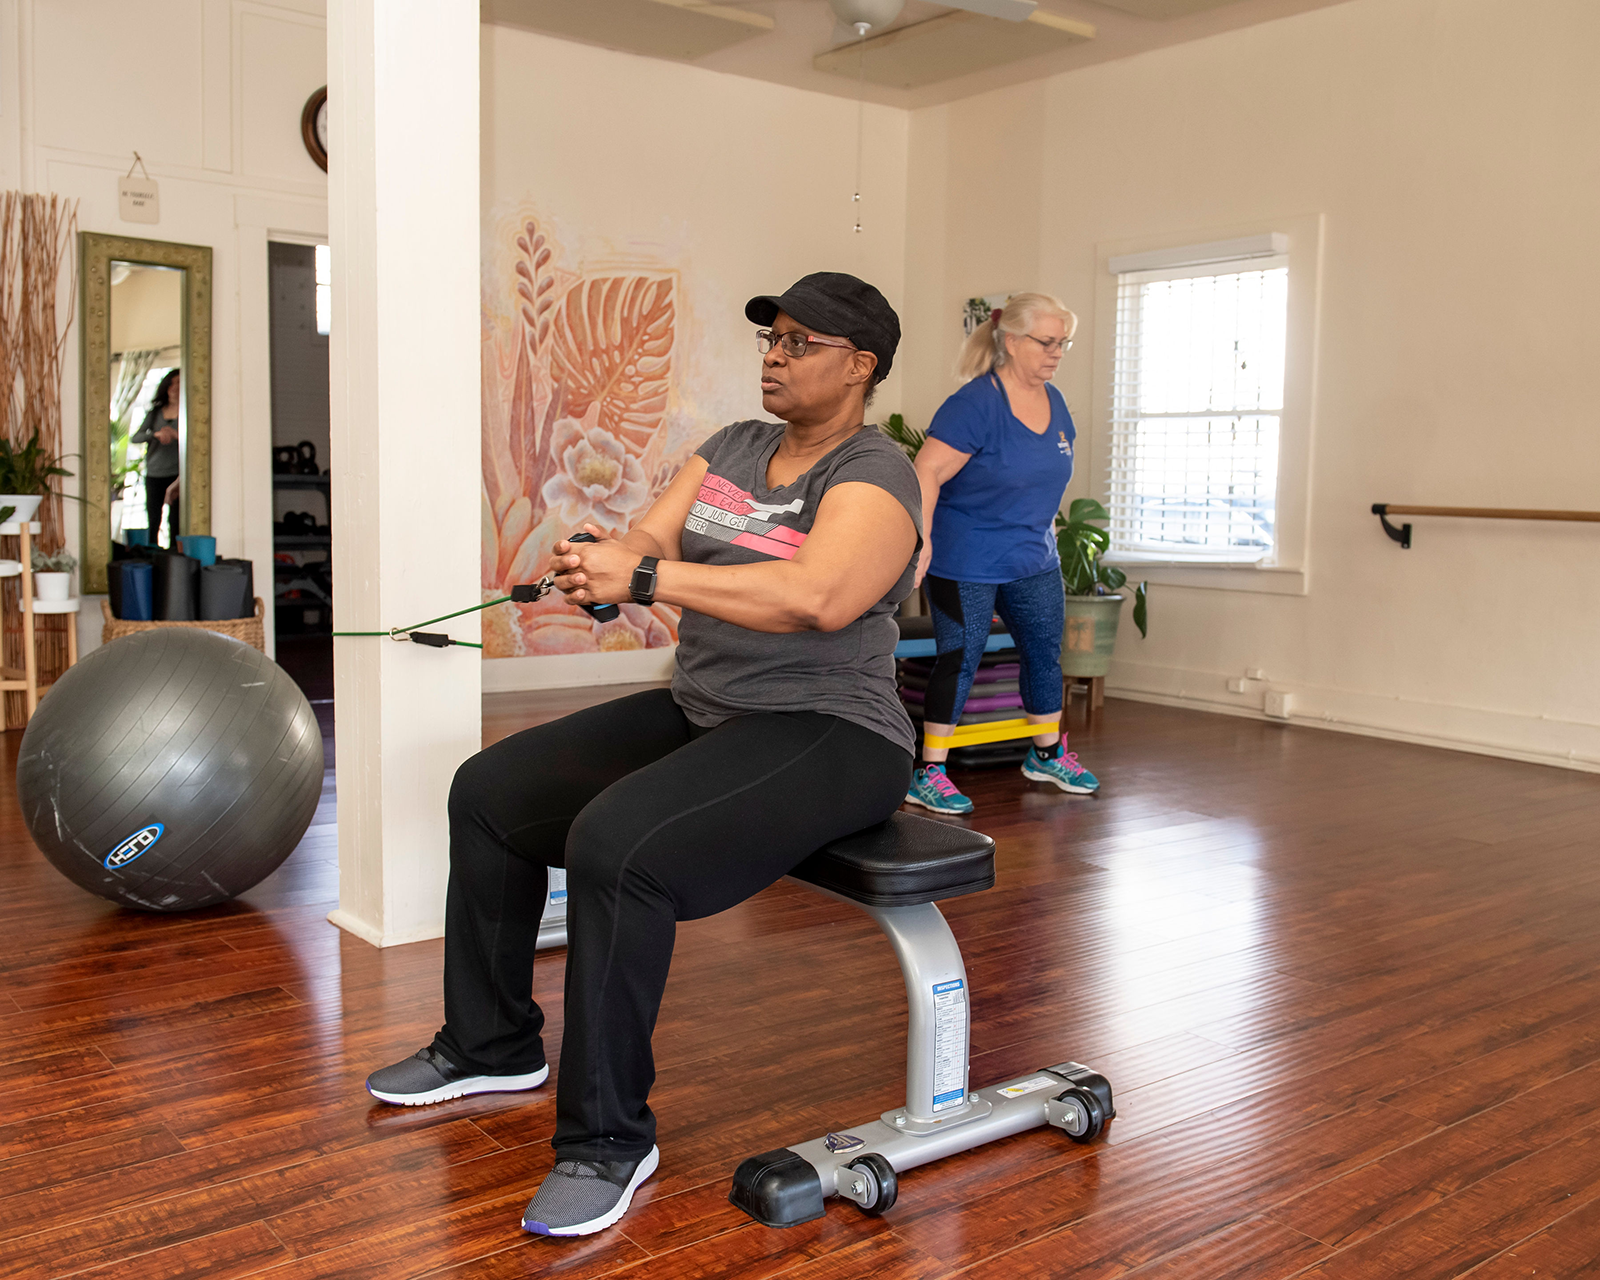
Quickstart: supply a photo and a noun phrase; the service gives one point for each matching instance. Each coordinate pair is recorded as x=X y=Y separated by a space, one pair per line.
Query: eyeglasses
x=794 y=344
x=1051 y=348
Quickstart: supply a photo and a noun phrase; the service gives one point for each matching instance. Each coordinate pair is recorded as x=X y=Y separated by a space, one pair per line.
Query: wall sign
x=139 y=199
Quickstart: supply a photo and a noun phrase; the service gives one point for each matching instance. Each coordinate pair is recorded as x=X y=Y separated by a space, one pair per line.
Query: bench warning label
x=949 y=1044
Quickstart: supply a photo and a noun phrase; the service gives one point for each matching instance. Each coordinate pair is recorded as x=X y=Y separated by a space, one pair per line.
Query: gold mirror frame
x=97 y=253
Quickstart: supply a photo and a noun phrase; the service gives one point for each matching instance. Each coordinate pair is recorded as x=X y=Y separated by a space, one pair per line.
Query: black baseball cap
x=834 y=303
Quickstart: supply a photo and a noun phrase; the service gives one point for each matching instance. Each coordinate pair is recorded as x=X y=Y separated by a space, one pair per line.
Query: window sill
x=1265 y=579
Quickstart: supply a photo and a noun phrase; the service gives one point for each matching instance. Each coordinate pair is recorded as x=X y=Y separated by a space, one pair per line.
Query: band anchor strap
x=433 y=639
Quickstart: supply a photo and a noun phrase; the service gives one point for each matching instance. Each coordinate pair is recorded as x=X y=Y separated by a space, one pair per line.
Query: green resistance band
x=433 y=639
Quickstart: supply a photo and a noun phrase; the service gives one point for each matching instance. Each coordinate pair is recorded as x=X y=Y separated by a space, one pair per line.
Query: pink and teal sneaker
x=1060 y=767
x=932 y=789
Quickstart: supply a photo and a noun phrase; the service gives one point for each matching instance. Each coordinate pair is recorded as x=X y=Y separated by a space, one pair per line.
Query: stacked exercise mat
x=994 y=703
x=150 y=585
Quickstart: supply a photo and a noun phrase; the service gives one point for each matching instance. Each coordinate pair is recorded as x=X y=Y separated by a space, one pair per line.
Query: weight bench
x=896 y=872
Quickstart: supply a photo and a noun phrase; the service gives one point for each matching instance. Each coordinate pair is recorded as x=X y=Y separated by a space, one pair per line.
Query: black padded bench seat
x=903 y=862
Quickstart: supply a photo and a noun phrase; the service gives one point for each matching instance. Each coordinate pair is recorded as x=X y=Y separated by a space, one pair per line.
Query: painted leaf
x=611 y=344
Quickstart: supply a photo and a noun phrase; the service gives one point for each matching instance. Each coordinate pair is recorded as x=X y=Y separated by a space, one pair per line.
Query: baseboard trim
x=1531 y=739
x=357 y=927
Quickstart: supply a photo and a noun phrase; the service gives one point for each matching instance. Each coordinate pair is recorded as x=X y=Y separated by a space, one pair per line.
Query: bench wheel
x=1085 y=1116
x=883 y=1188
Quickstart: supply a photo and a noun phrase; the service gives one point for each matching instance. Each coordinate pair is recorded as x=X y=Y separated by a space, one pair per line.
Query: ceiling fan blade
x=1010 y=10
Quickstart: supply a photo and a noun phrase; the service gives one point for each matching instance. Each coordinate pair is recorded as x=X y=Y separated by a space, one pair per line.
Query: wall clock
x=314 y=127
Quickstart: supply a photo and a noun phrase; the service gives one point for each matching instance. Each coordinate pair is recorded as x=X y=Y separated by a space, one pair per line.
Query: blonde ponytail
x=985 y=347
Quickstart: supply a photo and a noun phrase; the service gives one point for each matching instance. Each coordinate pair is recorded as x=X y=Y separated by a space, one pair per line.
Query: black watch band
x=642 y=586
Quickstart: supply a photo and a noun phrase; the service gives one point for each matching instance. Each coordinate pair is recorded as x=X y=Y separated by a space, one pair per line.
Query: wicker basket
x=251 y=630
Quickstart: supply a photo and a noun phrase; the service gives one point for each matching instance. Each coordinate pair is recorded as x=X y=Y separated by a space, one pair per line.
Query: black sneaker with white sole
x=580 y=1197
x=429 y=1076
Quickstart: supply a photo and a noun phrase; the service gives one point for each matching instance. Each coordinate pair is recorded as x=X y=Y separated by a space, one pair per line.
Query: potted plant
x=25 y=478
x=52 y=574
x=1093 y=607
x=908 y=438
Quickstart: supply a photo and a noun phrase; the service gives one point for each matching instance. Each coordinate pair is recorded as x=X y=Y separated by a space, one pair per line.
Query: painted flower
x=596 y=478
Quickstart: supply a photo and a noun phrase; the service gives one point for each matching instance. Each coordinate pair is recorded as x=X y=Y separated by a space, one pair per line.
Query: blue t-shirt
x=995 y=518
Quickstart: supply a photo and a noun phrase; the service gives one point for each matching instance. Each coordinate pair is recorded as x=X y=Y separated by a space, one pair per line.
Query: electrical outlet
x=1277 y=704
x=1236 y=685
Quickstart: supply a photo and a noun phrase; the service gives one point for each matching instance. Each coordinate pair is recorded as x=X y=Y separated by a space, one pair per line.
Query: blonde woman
x=993 y=470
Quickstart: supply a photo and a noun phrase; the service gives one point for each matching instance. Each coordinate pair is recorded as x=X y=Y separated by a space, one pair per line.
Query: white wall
x=209 y=93
x=1449 y=146
x=738 y=186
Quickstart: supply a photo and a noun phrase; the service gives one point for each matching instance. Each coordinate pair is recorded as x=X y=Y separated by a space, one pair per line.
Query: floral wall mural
x=581 y=374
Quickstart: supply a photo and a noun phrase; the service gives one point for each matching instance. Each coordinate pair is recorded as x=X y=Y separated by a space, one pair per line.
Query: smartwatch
x=642 y=586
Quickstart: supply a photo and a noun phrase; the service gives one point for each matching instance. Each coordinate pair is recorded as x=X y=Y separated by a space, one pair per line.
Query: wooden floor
x=1347 y=990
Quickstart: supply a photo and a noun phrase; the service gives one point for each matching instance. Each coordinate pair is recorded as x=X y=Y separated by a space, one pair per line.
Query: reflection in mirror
x=146 y=418
x=146 y=396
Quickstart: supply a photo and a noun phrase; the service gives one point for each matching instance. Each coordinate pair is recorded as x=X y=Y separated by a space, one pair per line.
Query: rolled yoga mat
x=131 y=590
x=224 y=591
x=176 y=587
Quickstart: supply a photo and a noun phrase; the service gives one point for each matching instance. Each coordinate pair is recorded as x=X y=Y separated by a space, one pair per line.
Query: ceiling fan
x=874 y=15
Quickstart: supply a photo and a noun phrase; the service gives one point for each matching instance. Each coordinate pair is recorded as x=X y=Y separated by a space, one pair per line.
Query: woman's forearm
x=645 y=544
x=930 y=499
x=776 y=596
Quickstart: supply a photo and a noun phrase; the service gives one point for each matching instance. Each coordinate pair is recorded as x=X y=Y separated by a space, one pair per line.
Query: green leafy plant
x=908 y=438
x=1082 y=542
x=29 y=469
x=121 y=468
x=62 y=561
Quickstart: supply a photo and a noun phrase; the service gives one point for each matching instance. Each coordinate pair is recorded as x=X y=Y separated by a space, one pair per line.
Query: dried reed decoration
x=37 y=233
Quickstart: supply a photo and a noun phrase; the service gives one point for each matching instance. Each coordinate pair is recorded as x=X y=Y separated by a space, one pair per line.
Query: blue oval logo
x=133 y=846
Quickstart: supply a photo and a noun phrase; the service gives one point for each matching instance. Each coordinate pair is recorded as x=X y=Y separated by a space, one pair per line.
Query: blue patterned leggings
x=1034 y=612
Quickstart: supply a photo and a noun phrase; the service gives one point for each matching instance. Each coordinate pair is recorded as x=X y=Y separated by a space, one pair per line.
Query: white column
x=403 y=228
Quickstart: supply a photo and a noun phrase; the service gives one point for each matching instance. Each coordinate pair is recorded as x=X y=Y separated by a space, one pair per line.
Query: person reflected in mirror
x=993 y=471
x=162 y=459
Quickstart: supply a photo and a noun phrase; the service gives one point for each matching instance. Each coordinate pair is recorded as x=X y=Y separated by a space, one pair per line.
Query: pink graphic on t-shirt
x=718 y=492
x=769 y=538
x=769 y=546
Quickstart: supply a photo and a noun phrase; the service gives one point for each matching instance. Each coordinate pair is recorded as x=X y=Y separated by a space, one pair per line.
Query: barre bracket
x=1402 y=535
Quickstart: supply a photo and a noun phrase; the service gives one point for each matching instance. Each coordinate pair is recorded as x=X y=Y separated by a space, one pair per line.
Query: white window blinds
x=1196 y=403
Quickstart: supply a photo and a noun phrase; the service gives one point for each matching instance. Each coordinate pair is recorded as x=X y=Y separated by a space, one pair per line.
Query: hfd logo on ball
x=133 y=846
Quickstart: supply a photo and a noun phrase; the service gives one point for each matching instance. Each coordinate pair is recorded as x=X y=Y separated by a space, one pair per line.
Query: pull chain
x=861 y=85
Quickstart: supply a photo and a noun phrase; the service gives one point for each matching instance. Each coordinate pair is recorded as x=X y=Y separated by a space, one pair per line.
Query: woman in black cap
x=788 y=546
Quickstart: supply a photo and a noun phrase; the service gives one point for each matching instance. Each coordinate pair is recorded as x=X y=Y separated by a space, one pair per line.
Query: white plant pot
x=26 y=504
x=52 y=586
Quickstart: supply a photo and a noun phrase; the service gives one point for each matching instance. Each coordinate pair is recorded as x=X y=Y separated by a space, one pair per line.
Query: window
x=1197 y=401
x=324 y=290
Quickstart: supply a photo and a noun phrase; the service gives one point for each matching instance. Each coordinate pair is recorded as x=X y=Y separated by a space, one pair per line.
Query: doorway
x=302 y=539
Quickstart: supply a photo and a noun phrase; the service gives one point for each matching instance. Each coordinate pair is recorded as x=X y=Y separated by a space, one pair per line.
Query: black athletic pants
x=655 y=821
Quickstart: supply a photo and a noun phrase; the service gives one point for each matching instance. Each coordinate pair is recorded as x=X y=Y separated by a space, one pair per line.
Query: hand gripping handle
x=599 y=612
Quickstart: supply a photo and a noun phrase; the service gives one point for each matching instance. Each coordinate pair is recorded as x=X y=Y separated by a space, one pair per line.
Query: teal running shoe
x=1062 y=768
x=932 y=789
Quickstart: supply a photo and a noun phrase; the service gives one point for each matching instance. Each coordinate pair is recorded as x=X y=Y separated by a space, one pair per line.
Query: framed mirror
x=145 y=367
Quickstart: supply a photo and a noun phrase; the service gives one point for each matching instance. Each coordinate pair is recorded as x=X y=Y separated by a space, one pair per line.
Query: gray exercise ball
x=170 y=769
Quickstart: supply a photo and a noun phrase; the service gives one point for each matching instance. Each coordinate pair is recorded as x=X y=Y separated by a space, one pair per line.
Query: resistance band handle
x=433 y=639
x=599 y=612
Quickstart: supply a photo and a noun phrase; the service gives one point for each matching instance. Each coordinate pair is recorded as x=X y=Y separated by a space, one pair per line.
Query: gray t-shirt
x=159 y=459
x=725 y=670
